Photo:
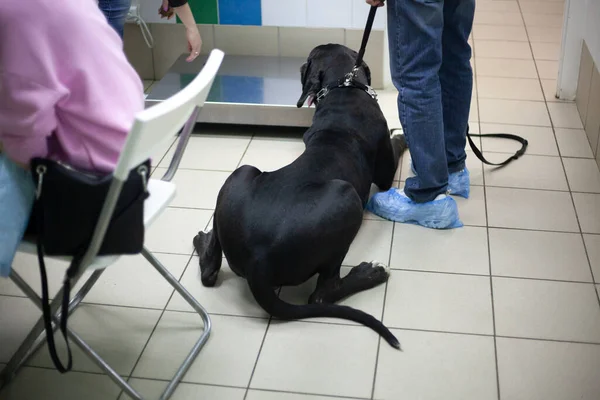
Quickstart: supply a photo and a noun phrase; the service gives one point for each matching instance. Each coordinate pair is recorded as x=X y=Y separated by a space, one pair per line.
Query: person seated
x=67 y=93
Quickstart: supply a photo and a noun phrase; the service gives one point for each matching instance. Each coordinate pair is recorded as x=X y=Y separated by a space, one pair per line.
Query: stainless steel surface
x=248 y=90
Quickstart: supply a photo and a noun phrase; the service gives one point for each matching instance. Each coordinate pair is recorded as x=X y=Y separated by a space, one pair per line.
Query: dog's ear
x=311 y=83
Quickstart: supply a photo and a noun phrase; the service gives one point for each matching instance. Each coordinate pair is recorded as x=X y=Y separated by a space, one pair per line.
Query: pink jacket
x=66 y=89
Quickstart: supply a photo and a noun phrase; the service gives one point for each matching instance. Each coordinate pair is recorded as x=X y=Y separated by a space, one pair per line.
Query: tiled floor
x=505 y=308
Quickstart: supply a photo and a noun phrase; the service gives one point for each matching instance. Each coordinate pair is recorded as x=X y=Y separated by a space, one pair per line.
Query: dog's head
x=325 y=65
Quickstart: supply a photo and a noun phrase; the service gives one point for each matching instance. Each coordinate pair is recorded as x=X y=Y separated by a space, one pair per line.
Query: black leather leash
x=475 y=149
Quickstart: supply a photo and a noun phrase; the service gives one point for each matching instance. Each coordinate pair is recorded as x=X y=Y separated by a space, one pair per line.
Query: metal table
x=249 y=90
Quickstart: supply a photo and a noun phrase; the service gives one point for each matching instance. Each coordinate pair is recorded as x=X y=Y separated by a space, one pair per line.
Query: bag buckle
x=143 y=171
x=40 y=171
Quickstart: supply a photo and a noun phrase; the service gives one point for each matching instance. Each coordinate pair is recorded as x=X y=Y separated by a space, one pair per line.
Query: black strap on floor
x=516 y=156
x=365 y=39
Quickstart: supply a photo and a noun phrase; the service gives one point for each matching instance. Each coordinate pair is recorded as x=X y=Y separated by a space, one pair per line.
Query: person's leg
x=17 y=193
x=415 y=40
x=115 y=12
x=456 y=78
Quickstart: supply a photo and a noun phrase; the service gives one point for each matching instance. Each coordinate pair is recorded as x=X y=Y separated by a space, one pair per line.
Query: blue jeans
x=17 y=193
x=115 y=12
x=429 y=60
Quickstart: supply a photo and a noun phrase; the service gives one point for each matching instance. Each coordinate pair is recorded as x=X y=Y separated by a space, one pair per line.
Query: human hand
x=194 y=42
x=376 y=3
x=165 y=11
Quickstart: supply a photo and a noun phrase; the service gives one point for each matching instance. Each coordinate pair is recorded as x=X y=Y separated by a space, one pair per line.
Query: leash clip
x=321 y=95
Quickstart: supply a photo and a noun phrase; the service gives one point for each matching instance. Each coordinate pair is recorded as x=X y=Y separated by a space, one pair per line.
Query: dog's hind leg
x=364 y=276
x=209 y=250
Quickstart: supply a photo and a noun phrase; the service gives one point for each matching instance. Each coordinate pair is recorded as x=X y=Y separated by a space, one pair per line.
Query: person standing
x=116 y=11
x=430 y=67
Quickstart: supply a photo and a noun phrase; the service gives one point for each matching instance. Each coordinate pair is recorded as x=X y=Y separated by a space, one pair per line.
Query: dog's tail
x=265 y=296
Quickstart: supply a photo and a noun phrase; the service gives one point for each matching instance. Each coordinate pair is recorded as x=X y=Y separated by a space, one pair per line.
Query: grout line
x=257 y=357
x=383 y=309
x=487 y=230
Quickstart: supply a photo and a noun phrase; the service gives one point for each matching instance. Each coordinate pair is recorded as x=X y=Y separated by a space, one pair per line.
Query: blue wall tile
x=239 y=12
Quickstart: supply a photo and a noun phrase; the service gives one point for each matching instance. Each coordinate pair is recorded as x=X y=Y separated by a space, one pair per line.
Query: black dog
x=280 y=228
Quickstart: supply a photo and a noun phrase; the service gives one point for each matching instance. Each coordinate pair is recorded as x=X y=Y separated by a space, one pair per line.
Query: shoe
x=459 y=183
x=394 y=205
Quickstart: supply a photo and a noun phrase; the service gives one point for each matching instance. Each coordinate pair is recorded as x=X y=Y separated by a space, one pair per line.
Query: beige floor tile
x=514 y=112
x=547 y=69
x=541 y=370
x=27 y=266
x=550 y=89
x=592 y=245
x=500 y=32
x=221 y=152
x=133 y=282
x=583 y=174
x=530 y=209
x=541 y=139
x=529 y=172
x=372 y=243
x=436 y=366
x=503 y=49
x=185 y=222
x=588 y=211
x=227 y=358
x=369 y=301
x=546 y=51
x=543 y=7
x=197 y=189
x=185 y=391
x=573 y=143
x=344 y=354
x=472 y=210
x=49 y=384
x=498 y=5
x=505 y=68
x=537 y=19
x=266 y=395
x=565 y=115
x=440 y=302
x=99 y=326
x=546 y=310
x=540 y=34
x=271 y=153
x=509 y=88
x=17 y=317
x=457 y=250
x=230 y=296
x=498 y=18
x=538 y=255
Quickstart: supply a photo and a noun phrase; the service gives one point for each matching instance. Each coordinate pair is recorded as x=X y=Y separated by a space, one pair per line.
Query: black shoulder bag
x=65 y=213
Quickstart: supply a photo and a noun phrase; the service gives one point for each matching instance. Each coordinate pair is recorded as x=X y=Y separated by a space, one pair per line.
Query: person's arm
x=184 y=12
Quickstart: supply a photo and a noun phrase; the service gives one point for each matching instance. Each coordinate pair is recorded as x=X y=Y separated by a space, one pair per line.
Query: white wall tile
x=360 y=12
x=283 y=12
x=330 y=13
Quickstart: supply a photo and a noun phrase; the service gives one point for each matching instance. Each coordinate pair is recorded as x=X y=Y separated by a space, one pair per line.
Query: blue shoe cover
x=394 y=205
x=459 y=183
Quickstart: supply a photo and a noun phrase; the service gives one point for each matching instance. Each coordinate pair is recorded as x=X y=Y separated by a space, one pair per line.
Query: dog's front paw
x=209 y=278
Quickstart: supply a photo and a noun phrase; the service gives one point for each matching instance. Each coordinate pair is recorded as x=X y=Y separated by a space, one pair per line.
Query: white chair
x=152 y=129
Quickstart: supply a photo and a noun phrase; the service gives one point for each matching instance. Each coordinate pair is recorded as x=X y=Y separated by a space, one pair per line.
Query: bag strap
x=519 y=153
x=47 y=312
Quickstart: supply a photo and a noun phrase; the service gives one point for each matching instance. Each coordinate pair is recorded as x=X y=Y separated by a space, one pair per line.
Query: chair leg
x=37 y=336
x=79 y=342
x=197 y=307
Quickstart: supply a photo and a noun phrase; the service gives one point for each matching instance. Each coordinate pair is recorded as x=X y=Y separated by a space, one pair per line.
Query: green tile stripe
x=205 y=11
